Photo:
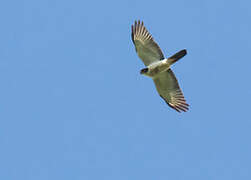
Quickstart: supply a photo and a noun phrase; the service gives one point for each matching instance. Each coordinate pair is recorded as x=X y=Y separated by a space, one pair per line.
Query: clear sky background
x=74 y=106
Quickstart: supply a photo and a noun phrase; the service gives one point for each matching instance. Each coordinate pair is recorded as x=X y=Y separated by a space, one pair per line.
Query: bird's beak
x=143 y=71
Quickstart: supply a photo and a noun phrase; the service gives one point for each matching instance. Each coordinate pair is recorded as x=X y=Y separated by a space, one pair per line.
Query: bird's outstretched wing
x=147 y=49
x=168 y=88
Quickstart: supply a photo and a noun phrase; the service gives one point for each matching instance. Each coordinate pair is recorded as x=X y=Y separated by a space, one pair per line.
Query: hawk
x=158 y=67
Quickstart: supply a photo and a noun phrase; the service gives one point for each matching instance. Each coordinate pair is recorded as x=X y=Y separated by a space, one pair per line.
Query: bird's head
x=144 y=71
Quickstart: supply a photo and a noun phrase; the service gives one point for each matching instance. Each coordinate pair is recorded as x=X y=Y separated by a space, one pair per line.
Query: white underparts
x=158 y=67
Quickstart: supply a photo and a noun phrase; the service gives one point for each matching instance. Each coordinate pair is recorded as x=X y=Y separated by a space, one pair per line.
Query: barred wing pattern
x=146 y=48
x=168 y=88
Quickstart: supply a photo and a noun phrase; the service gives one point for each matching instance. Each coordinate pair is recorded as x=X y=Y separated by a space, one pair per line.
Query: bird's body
x=154 y=69
x=158 y=67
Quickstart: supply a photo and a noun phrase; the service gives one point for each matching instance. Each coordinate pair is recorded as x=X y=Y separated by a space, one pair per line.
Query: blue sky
x=74 y=106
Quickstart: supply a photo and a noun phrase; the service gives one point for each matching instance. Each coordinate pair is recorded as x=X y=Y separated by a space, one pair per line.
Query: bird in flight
x=158 y=67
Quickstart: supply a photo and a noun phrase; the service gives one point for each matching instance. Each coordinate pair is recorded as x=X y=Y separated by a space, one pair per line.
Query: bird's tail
x=177 y=56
